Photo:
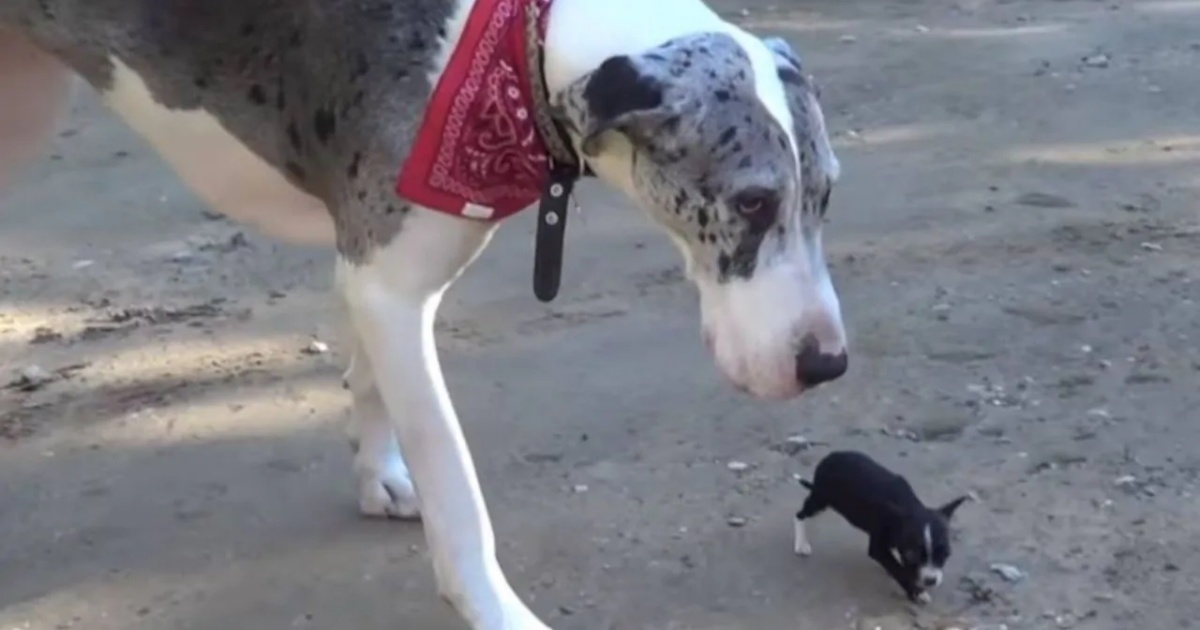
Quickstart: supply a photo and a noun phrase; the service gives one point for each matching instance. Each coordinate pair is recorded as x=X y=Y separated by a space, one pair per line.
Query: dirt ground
x=1014 y=239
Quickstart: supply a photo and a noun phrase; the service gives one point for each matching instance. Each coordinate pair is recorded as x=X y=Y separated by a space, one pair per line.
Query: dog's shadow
x=840 y=573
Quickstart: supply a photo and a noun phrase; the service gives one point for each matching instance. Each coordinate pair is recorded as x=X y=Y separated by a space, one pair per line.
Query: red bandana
x=478 y=153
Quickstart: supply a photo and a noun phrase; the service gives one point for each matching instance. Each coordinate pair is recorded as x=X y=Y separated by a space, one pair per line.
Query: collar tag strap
x=551 y=229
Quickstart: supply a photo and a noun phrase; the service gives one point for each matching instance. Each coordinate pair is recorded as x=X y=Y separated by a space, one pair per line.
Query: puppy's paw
x=923 y=598
x=802 y=549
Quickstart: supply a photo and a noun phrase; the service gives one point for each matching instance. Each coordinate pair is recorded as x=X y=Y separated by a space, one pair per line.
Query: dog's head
x=923 y=545
x=721 y=139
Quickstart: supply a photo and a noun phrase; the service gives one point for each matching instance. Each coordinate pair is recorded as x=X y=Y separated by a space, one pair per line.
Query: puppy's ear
x=947 y=511
x=638 y=98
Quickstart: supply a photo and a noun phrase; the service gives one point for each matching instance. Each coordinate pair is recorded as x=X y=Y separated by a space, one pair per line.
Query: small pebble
x=580 y=489
x=1008 y=572
x=796 y=443
x=736 y=521
x=316 y=347
x=737 y=466
x=847 y=39
x=32 y=377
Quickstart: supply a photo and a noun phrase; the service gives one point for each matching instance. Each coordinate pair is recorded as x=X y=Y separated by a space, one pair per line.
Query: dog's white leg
x=800 y=543
x=393 y=299
x=385 y=488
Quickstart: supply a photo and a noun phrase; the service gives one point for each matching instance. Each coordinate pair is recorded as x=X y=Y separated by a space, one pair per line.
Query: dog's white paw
x=800 y=539
x=387 y=492
x=924 y=597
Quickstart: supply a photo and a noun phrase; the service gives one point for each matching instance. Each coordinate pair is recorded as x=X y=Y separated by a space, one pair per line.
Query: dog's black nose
x=929 y=581
x=814 y=367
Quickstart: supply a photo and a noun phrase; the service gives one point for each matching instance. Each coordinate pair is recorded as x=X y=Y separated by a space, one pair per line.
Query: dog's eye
x=759 y=206
x=756 y=201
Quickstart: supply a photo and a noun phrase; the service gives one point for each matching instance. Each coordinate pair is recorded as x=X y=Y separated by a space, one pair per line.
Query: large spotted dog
x=309 y=119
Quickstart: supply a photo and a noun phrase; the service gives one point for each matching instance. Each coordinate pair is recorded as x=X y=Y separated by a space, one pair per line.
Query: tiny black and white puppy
x=910 y=540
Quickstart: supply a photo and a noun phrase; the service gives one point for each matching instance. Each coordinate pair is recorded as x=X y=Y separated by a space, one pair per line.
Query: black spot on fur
x=724 y=262
x=361 y=66
x=258 y=95
x=293 y=134
x=324 y=125
x=722 y=95
x=727 y=136
x=296 y=171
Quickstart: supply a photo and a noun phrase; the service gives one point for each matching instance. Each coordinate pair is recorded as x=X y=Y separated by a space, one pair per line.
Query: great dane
x=402 y=132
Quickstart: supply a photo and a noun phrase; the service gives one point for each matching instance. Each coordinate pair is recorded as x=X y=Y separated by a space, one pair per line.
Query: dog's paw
x=802 y=549
x=923 y=597
x=387 y=493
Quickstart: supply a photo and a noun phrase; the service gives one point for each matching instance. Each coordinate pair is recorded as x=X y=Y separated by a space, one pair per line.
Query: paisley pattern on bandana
x=478 y=153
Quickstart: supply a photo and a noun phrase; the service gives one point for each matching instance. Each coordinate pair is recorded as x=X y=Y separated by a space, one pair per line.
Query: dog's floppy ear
x=636 y=97
x=948 y=510
x=787 y=60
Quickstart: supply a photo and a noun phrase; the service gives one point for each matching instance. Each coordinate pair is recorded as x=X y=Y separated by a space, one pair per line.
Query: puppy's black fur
x=910 y=540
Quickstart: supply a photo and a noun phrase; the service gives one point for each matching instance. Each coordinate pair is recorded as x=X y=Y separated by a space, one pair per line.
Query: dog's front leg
x=393 y=299
x=881 y=552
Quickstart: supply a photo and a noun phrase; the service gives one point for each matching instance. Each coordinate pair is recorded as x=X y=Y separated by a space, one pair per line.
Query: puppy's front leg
x=881 y=552
x=393 y=299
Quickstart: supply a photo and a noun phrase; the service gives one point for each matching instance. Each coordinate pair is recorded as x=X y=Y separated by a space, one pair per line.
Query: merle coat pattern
x=295 y=116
